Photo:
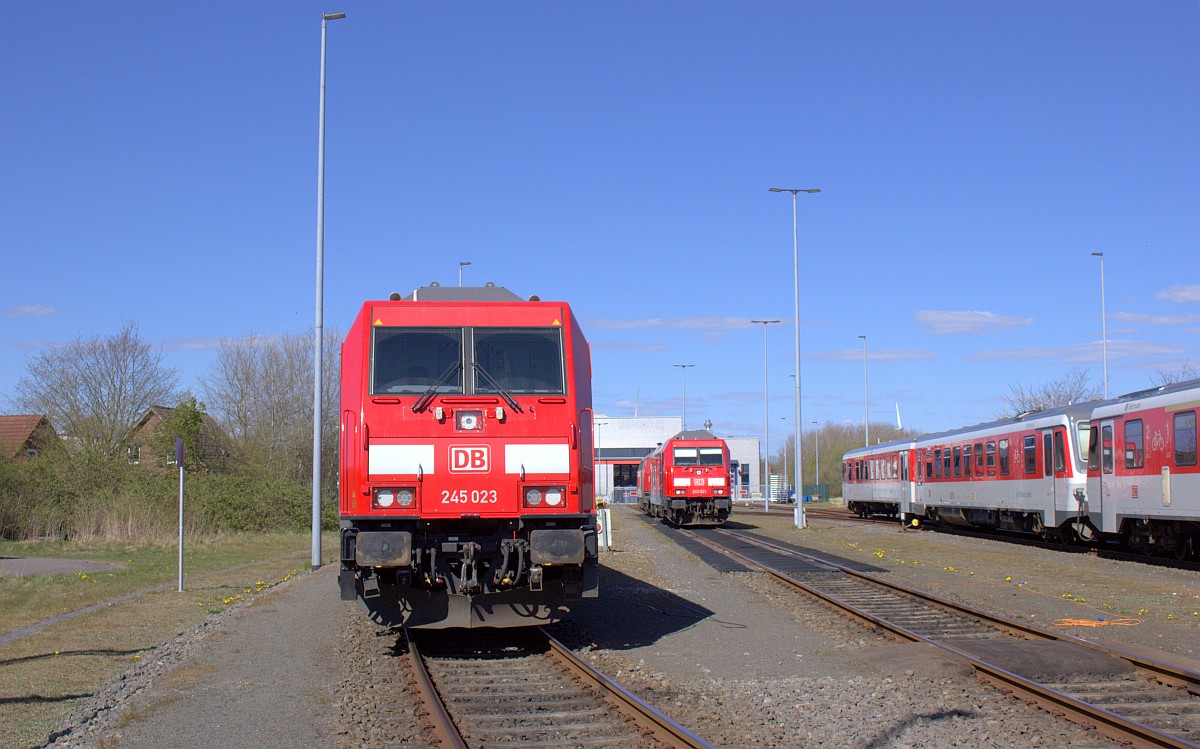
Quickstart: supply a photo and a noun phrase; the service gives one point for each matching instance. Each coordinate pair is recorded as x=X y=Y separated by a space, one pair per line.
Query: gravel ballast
x=732 y=656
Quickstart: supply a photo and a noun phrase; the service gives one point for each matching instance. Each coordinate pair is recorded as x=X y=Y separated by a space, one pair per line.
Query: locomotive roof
x=695 y=434
x=438 y=293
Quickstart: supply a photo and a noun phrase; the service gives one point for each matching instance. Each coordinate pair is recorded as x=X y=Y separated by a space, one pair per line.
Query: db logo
x=469 y=459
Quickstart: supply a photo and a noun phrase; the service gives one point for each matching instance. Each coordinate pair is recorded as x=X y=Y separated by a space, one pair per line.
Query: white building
x=621 y=442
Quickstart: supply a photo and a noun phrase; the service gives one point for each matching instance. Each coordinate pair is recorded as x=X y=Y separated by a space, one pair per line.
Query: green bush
x=82 y=498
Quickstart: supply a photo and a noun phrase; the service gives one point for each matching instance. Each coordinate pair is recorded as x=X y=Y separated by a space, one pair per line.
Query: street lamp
x=766 y=429
x=461 y=263
x=800 y=523
x=866 y=403
x=817 y=464
x=1103 y=322
x=684 y=368
x=319 y=332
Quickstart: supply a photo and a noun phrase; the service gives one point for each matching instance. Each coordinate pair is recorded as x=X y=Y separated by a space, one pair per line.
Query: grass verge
x=44 y=676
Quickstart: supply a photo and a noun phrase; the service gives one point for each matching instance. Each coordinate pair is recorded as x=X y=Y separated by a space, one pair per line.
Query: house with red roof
x=24 y=436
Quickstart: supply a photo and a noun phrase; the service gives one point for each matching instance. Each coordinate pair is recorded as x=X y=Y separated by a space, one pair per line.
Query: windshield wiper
x=423 y=402
x=487 y=378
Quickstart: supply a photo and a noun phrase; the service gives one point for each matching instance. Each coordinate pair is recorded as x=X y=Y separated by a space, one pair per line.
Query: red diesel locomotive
x=686 y=479
x=466 y=460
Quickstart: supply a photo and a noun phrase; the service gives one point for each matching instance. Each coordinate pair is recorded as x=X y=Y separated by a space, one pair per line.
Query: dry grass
x=47 y=674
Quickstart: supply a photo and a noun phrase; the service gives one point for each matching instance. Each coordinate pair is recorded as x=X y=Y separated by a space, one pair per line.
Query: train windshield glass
x=414 y=360
x=702 y=456
x=520 y=360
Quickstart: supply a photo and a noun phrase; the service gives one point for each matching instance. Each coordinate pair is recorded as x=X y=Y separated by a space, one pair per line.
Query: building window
x=134 y=453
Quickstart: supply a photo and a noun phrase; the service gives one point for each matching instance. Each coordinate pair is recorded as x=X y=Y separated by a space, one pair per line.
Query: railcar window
x=1030 y=455
x=967 y=460
x=928 y=463
x=1093 y=450
x=1060 y=452
x=1185 y=438
x=1047 y=452
x=957 y=462
x=978 y=458
x=1004 y=463
x=411 y=360
x=1134 y=457
x=991 y=458
x=946 y=462
x=937 y=463
x=1106 y=447
x=520 y=360
x=1083 y=434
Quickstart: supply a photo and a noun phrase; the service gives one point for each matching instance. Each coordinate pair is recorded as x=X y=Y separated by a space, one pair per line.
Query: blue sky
x=160 y=168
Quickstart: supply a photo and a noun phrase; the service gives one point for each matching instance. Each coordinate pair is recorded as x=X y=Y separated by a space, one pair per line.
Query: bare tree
x=261 y=390
x=1073 y=387
x=1173 y=376
x=96 y=389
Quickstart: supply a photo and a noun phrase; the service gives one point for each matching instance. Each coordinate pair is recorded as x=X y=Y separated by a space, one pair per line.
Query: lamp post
x=800 y=523
x=866 y=402
x=1103 y=322
x=461 y=263
x=817 y=463
x=684 y=368
x=317 y=342
x=766 y=429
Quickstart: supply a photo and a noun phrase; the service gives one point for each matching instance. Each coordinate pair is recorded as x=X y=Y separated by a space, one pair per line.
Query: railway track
x=509 y=687
x=1010 y=537
x=1134 y=700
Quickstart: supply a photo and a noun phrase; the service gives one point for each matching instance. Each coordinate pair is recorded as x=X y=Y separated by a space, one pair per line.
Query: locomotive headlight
x=554 y=497
x=469 y=420
x=533 y=497
x=384 y=498
x=404 y=497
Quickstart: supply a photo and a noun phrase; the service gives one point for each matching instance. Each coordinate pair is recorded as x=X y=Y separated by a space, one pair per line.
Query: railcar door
x=1054 y=468
x=1107 y=461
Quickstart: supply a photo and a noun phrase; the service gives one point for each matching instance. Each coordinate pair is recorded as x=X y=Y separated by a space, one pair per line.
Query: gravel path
x=730 y=655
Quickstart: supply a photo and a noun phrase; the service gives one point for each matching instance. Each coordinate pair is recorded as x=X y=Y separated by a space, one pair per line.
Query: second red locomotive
x=686 y=479
x=466 y=460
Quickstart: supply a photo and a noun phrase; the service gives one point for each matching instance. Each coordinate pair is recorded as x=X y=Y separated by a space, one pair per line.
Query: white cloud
x=703 y=322
x=1136 y=318
x=856 y=354
x=1181 y=294
x=627 y=346
x=1082 y=352
x=194 y=344
x=33 y=310
x=943 y=322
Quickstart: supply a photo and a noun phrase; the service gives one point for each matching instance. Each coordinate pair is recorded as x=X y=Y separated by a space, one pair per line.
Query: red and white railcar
x=1143 y=481
x=686 y=479
x=878 y=480
x=1026 y=473
x=466 y=460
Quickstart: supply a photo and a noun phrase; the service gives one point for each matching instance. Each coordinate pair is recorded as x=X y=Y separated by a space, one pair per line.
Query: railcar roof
x=880 y=447
x=1080 y=410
